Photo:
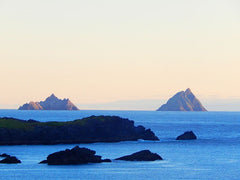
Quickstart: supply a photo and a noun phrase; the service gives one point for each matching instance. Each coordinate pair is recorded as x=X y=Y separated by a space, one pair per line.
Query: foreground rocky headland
x=87 y=130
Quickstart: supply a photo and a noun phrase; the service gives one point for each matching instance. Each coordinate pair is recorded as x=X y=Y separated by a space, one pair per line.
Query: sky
x=128 y=54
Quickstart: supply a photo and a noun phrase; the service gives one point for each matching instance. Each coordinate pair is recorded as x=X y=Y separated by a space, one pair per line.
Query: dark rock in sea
x=4 y=155
x=73 y=156
x=87 y=130
x=10 y=160
x=51 y=103
x=144 y=155
x=189 y=135
x=183 y=101
x=43 y=162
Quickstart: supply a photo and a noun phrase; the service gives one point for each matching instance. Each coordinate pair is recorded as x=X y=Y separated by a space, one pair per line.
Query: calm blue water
x=215 y=155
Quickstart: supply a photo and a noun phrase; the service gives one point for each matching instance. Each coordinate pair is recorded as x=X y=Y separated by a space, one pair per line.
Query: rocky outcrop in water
x=51 y=103
x=74 y=156
x=9 y=160
x=144 y=155
x=4 y=155
x=188 y=135
x=87 y=130
x=183 y=101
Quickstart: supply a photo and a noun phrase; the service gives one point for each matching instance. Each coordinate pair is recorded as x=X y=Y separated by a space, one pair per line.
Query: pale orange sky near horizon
x=106 y=51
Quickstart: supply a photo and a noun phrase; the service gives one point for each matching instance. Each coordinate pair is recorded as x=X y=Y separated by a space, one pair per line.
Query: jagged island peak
x=50 y=103
x=183 y=101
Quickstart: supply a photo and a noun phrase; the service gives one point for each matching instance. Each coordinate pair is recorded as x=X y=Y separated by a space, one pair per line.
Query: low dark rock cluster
x=9 y=159
x=73 y=156
x=144 y=155
x=4 y=155
x=79 y=155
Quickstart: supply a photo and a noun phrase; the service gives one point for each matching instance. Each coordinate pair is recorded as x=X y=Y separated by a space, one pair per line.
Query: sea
x=214 y=155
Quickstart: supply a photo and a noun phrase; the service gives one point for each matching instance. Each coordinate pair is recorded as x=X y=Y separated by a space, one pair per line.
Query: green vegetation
x=10 y=123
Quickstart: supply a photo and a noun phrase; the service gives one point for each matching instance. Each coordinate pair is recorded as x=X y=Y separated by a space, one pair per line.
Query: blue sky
x=96 y=52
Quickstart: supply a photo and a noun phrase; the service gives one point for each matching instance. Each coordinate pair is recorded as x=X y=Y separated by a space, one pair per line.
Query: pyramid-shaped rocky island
x=183 y=101
x=51 y=103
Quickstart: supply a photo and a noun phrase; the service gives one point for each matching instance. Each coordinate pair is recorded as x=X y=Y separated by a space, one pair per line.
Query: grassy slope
x=11 y=123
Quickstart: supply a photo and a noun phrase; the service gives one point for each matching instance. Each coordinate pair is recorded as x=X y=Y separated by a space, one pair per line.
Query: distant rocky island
x=183 y=101
x=51 y=103
x=87 y=130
